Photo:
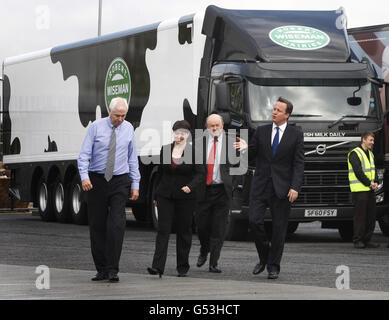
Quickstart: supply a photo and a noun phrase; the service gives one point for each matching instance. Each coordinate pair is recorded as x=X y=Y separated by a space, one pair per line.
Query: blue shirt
x=94 y=150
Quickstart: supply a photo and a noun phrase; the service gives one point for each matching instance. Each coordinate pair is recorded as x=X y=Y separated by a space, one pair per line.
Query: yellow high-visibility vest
x=368 y=169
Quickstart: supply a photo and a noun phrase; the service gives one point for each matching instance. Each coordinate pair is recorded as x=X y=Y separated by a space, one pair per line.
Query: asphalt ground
x=311 y=259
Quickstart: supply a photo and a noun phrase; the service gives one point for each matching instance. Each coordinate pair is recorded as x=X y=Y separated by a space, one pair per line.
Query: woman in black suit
x=177 y=179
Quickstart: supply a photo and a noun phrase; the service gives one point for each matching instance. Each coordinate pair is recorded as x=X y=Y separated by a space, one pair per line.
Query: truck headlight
x=380 y=174
x=379 y=198
x=380 y=178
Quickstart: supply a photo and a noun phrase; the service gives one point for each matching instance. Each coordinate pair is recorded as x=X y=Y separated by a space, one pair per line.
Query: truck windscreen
x=313 y=100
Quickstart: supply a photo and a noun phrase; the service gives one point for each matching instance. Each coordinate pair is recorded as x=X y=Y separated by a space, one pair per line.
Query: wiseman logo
x=299 y=37
x=117 y=81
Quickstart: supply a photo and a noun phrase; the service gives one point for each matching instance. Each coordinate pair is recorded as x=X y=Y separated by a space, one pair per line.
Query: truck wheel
x=384 y=224
x=44 y=201
x=154 y=215
x=139 y=212
x=346 y=231
x=292 y=227
x=237 y=229
x=153 y=209
x=147 y=212
x=59 y=202
x=77 y=207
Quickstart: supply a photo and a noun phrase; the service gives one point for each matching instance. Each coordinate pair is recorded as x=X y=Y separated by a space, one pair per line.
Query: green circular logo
x=117 y=82
x=299 y=37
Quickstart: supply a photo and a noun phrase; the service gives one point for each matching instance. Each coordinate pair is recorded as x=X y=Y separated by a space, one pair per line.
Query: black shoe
x=262 y=260
x=359 y=245
x=201 y=260
x=214 y=269
x=155 y=271
x=259 y=267
x=387 y=245
x=371 y=245
x=113 y=277
x=181 y=274
x=100 y=276
x=273 y=275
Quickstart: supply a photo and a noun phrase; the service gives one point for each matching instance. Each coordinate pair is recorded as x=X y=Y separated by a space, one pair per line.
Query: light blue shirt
x=94 y=151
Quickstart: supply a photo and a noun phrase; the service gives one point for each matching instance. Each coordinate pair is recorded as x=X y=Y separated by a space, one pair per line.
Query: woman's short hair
x=181 y=124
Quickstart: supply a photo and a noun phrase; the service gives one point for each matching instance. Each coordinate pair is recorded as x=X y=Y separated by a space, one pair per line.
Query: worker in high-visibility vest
x=362 y=179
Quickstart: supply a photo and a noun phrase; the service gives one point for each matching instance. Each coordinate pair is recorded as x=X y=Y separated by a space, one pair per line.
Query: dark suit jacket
x=287 y=166
x=225 y=165
x=170 y=181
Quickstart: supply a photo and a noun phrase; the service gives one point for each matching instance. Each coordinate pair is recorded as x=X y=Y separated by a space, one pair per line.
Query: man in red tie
x=214 y=196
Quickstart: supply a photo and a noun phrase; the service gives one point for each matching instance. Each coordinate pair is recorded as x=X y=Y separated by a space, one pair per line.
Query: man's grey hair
x=115 y=101
x=214 y=114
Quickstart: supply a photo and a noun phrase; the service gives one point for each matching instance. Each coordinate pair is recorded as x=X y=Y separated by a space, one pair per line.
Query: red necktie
x=211 y=162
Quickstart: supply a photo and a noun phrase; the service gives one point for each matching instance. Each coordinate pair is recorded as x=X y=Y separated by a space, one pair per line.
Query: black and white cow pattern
x=52 y=96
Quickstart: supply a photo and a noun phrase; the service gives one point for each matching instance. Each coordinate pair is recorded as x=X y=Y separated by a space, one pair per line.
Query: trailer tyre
x=60 y=203
x=237 y=229
x=44 y=201
x=77 y=206
x=153 y=207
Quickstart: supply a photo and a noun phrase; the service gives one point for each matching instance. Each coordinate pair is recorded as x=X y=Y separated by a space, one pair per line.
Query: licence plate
x=320 y=213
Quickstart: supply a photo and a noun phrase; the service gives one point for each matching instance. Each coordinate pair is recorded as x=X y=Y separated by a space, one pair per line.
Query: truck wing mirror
x=223 y=96
x=226 y=118
x=354 y=101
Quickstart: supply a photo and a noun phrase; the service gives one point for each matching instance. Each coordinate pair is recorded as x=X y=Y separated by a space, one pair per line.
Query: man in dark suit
x=279 y=152
x=215 y=193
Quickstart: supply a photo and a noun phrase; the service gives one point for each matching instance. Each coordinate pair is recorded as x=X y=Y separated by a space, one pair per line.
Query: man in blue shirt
x=108 y=167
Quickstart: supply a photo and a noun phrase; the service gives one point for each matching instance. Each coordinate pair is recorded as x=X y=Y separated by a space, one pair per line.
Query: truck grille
x=325 y=188
x=324 y=198
x=325 y=179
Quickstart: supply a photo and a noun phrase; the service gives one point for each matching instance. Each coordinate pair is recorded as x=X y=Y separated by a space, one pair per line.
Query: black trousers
x=364 y=215
x=211 y=220
x=280 y=210
x=177 y=212
x=107 y=219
